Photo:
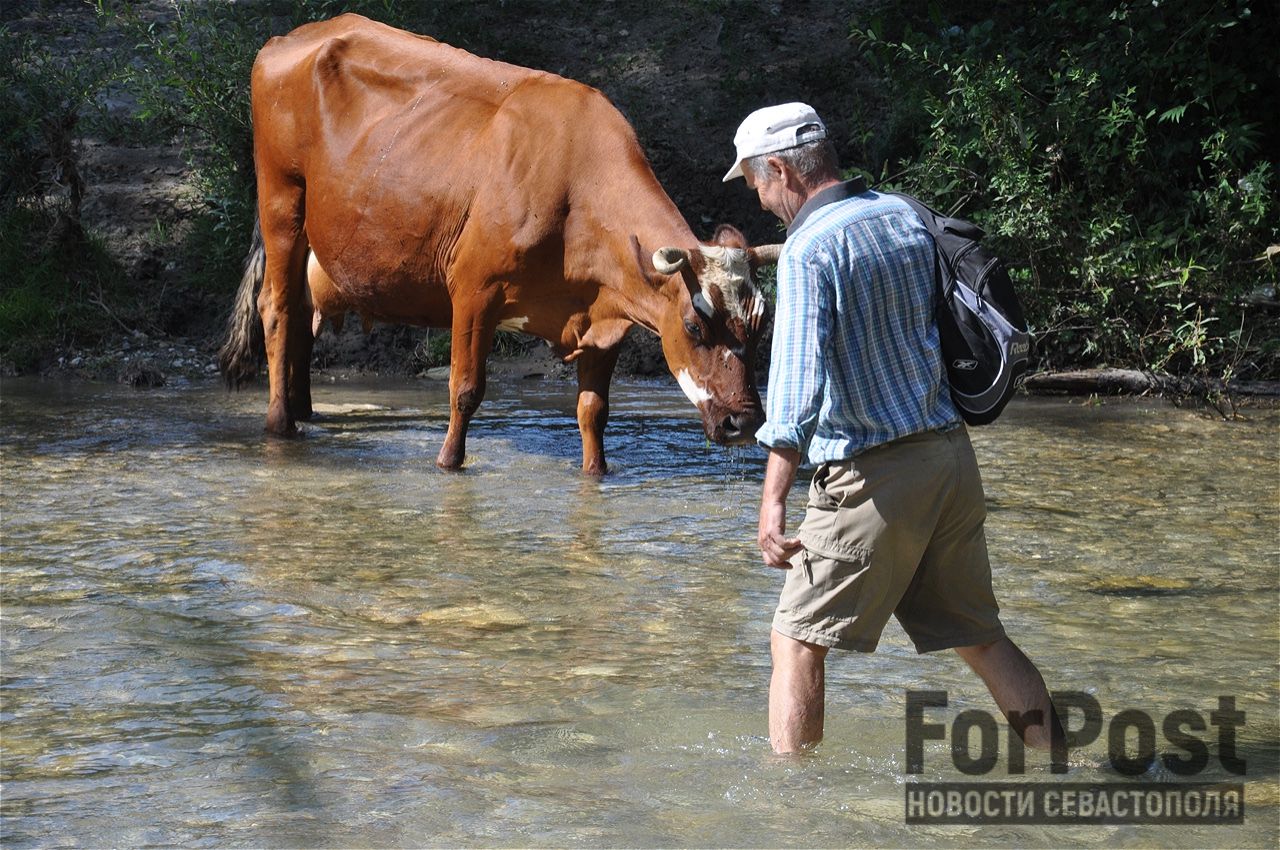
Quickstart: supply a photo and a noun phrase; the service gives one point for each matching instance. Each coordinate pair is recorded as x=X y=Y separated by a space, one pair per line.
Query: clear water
x=215 y=639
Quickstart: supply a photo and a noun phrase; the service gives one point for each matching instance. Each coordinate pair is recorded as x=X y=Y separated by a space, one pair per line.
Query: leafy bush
x=51 y=296
x=192 y=84
x=1126 y=173
x=55 y=273
x=42 y=98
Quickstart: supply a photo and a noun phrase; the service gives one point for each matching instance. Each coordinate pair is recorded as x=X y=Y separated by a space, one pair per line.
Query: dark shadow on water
x=1138 y=591
x=643 y=446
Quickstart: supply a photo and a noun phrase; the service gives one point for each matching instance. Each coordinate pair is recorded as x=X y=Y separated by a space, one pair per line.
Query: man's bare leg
x=797 y=694
x=1018 y=689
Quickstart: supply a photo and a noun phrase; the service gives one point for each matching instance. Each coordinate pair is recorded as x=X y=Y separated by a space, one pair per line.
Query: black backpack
x=985 y=344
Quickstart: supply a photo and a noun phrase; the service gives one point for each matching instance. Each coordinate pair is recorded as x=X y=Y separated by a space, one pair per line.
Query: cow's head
x=710 y=332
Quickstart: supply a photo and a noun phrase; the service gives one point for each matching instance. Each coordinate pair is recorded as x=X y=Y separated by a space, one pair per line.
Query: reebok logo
x=964 y=365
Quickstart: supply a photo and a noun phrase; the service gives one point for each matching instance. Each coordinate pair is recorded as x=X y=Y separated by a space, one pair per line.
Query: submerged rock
x=1141 y=585
x=489 y=618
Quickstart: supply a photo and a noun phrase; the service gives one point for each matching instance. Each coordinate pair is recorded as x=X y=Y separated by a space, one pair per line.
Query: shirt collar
x=830 y=195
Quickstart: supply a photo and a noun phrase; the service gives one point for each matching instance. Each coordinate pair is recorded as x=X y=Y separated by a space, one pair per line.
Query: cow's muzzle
x=738 y=428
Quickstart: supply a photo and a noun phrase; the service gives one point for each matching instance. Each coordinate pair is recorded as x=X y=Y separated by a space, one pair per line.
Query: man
x=857 y=387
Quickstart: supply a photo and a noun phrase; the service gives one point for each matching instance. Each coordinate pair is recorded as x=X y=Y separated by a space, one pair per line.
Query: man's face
x=773 y=193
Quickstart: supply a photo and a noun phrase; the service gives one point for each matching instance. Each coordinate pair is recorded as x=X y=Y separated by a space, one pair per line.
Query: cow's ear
x=728 y=236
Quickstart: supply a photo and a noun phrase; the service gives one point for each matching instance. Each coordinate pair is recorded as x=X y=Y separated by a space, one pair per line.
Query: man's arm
x=779 y=475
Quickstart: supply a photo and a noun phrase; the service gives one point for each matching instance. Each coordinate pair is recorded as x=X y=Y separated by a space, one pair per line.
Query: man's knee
x=794 y=651
x=978 y=651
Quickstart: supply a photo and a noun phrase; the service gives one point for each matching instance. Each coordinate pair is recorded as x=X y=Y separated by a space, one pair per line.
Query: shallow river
x=215 y=639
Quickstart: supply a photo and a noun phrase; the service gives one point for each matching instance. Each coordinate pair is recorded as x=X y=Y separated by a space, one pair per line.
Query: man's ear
x=780 y=169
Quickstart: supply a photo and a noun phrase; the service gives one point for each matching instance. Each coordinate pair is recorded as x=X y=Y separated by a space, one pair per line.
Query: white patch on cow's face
x=692 y=388
x=513 y=324
x=727 y=270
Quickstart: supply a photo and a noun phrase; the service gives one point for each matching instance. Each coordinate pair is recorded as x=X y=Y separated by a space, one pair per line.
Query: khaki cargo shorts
x=895 y=530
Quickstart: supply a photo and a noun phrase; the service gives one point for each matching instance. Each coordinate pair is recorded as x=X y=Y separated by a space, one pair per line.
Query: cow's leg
x=301 y=341
x=284 y=315
x=473 y=333
x=595 y=371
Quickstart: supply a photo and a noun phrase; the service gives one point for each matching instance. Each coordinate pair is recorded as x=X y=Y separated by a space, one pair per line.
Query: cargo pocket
x=833 y=532
x=832 y=602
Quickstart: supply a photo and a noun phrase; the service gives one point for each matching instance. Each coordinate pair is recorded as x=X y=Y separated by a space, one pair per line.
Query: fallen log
x=1089 y=381
x=1259 y=388
x=1137 y=382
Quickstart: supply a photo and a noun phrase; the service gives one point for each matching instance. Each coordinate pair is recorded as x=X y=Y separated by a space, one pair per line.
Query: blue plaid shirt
x=855 y=359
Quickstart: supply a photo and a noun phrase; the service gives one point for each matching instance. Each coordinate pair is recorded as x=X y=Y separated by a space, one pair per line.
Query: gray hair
x=812 y=161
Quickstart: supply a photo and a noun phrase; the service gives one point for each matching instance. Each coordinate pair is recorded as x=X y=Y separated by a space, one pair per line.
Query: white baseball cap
x=775 y=128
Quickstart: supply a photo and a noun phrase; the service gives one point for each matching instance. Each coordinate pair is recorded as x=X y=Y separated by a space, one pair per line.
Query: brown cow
x=409 y=181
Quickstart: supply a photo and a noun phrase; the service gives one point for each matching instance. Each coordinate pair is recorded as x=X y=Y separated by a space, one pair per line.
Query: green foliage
x=1127 y=175
x=192 y=84
x=51 y=295
x=434 y=349
x=43 y=96
x=54 y=273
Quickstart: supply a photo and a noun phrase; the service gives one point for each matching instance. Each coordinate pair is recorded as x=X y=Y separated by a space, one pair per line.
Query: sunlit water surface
x=211 y=638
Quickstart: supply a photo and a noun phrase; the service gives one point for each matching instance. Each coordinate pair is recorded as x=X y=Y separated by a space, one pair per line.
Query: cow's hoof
x=282 y=426
x=449 y=463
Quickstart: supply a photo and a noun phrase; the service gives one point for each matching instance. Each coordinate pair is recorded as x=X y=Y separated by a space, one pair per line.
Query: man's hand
x=779 y=475
x=775 y=546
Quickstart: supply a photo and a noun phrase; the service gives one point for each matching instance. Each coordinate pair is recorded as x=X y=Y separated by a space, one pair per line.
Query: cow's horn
x=670 y=260
x=765 y=255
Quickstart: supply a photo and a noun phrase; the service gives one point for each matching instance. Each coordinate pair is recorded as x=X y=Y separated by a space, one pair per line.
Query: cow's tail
x=242 y=354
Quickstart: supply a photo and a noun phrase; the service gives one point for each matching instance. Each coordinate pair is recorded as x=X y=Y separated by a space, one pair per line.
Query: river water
x=215 y=639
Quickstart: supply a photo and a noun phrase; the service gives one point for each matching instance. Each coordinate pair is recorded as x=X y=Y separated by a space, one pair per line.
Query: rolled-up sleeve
x=797 y=375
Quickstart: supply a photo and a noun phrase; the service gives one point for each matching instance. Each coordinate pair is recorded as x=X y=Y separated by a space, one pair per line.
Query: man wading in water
x=856 y=387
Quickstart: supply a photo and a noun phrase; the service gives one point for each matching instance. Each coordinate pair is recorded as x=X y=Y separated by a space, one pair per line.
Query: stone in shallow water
x=1140 y=585
x=489 y=618
x=338 y=409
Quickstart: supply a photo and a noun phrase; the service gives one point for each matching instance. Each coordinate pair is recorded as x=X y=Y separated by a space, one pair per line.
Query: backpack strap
x=930 y=218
